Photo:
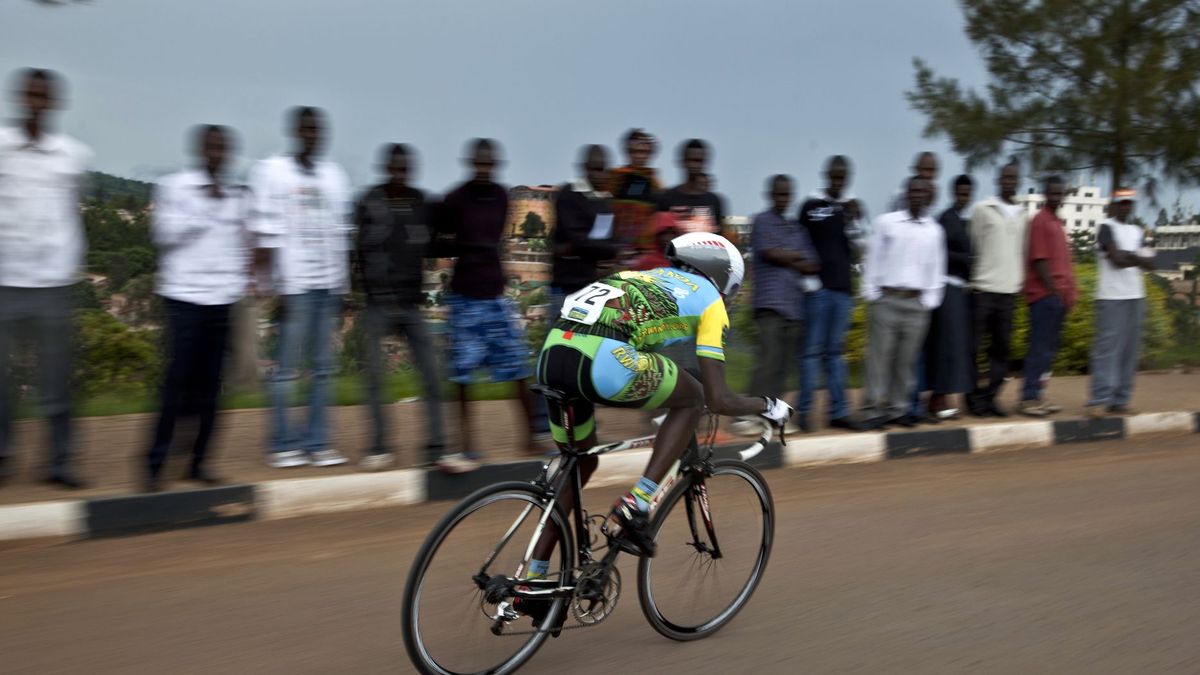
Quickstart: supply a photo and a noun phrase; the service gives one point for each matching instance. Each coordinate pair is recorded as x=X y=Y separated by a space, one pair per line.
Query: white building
x=1177 y=237
x=1084 y=207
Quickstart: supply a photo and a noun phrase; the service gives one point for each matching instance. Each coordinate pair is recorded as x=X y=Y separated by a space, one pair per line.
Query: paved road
x=1079 y=559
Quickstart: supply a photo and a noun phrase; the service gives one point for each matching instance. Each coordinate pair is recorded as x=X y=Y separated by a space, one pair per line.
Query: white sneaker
x=377 y=461
x=747 y=426
x=456 y=463
x=286 y=459
x=327 y=457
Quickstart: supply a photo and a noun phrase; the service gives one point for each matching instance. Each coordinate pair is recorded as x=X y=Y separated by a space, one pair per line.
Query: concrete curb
x=287 y=498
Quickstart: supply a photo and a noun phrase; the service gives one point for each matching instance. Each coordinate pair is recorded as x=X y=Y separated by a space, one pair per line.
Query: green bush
x=112 y=357
x=1158 y=342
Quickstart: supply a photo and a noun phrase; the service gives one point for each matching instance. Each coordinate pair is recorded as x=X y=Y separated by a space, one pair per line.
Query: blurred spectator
x=997 y=231
x=665 y=229
x=1120 y=308
x=200 y=229
x=302 y=209
x=782 y=255
x=903 y=280
x=41 y=249
x=827 y=304
x=925 y=165
x=696 y=209
x=392 y=243
x=948 y=369
x=1049 y=292
x=635 y=190
x=583 y=231
x=485 y=328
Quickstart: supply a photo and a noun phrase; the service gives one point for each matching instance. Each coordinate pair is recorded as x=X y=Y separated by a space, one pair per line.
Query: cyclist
x=601 y=350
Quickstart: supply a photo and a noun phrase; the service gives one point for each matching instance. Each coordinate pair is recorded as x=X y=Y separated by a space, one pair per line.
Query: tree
x=1162 y=219
x=533 y=226
x=1107 y=85
x=1083 y=244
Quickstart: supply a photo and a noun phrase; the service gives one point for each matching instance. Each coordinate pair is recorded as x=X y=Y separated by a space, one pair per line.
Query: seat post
x=568 y=413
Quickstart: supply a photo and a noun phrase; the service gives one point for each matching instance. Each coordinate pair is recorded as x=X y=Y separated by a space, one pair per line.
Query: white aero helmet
x=713 y=256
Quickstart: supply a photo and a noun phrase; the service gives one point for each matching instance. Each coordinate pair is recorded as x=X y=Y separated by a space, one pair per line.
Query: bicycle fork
x=698 y=495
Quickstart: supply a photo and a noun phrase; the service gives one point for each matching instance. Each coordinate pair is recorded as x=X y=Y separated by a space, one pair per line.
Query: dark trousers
x=41 y=316
x=407 y=321
x=991 y=320
x=778 y=341
x=1045 y=327
x=198 y=335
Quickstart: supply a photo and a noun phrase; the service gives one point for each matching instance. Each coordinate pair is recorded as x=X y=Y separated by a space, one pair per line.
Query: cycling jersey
x=601 y=349
x=653 y=308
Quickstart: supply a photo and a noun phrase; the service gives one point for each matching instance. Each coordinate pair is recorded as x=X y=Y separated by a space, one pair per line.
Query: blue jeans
x=1045 y=326
x=308 y=321
x=827 y=318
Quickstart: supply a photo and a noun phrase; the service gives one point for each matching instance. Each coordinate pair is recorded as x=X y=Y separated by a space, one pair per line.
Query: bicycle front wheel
x=714 y=537
x=447 y=620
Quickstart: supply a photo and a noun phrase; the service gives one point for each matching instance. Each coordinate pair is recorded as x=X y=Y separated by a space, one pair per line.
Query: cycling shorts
x=600 y=370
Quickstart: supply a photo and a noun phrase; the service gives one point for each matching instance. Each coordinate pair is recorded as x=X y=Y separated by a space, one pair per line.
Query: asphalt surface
x=1076 y=559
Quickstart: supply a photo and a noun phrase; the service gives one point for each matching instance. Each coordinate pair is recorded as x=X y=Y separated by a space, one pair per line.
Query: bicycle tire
x=417 y=650
x=651 y=609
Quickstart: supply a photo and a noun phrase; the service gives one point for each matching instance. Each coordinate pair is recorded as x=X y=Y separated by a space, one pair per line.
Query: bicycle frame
x=553 y=482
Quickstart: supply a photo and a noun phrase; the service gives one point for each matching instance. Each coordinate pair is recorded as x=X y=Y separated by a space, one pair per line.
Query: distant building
x=1084 y=207
x=1176 y=237
x=526 y=199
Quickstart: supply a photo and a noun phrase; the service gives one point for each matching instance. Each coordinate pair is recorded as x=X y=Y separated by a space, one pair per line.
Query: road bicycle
x=713 y=520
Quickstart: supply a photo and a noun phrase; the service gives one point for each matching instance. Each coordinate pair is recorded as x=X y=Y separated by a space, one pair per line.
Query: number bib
x=584 y=306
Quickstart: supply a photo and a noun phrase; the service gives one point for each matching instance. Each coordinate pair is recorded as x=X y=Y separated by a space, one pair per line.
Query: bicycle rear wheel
x=447 y=621
x=707 y=566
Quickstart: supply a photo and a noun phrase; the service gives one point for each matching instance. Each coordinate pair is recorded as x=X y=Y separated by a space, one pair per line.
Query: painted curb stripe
x=43 y=519
x=835 y=449
x=938 y=442
x=132 y=514
x=440 y=486
x=1086 y=431
x=292 y=497
x=1159 y=423
x=991 y=437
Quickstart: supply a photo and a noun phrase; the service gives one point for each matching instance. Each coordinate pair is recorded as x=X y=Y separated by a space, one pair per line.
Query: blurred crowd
x=940 y=285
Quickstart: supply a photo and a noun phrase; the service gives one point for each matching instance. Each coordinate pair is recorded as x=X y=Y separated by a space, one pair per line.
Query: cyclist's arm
x=719 y=397
x=710 y=350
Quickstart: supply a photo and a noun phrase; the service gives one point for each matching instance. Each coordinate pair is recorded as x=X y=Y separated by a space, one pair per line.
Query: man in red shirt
x=1050 y=293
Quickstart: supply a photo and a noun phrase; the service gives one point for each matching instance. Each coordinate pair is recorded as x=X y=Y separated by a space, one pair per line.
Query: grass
x=350 y=389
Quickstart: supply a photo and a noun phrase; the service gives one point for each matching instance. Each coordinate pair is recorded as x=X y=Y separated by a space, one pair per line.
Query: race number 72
x=585 y=305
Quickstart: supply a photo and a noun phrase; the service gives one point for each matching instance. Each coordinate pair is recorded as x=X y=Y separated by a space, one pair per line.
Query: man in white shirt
x=1120 y=309
x=904 y=277
x=200 y=229
x=997 y=229
x=41 y=249
x=302 y=207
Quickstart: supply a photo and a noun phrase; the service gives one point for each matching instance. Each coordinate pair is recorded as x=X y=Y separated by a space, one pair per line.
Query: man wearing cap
x=1120 y=308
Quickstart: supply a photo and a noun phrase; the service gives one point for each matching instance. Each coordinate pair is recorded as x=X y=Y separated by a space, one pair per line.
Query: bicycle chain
x=566 y=608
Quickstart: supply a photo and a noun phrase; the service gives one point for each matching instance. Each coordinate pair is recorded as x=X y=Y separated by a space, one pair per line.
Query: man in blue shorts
x=485 y=330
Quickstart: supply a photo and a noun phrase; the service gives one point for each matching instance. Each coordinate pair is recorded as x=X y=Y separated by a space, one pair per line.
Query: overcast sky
x=774 y=85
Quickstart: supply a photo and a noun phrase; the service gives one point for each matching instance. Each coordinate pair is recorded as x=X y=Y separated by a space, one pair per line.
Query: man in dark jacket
x=393 y=240
x=583 y=233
